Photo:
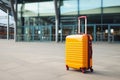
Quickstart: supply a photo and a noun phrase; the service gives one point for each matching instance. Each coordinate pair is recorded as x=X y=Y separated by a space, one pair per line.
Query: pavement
x=46 y=61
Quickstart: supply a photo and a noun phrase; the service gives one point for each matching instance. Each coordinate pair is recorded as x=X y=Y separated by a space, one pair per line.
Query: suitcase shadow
x=95 y=72
x=79 y=71
x=88 y=72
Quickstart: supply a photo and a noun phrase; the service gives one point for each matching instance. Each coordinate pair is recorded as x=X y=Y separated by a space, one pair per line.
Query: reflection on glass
x=111 y=6
x=69 y=7
x=37 y=8
x=30 y=9
x=19 y=9
x=109 y=3
x=46 y=8
x=90 y=6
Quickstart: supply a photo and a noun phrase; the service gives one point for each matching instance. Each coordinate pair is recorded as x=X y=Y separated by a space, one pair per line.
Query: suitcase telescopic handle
x=84 y=17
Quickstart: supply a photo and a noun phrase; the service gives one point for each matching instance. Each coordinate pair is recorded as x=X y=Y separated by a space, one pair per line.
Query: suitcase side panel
x=77 y=51
x=90 y=50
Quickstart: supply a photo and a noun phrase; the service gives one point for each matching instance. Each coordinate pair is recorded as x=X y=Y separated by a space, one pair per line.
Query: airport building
x=53 y=20
x=3 y=31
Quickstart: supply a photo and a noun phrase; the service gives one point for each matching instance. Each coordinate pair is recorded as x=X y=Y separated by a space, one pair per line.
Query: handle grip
x=84 y=17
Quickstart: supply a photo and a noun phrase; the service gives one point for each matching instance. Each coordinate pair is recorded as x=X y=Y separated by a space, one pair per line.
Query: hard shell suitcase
x=79 y=50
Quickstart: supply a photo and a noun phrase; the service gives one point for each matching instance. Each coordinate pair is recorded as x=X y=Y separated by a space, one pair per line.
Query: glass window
x=108 y=3
x=30 y=9
x=19 y=9
x=90 y=6
x=46 y=8
x=69 y=7
x=35 y=20
x=111 y=6
x=19 y=6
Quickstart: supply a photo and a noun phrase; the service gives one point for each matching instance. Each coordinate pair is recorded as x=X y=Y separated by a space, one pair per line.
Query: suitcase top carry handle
x=84 y=17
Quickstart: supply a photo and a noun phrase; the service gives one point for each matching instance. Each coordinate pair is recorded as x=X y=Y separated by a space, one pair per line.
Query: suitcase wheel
x=83 y=70
x=91 y=69
x=67 y=68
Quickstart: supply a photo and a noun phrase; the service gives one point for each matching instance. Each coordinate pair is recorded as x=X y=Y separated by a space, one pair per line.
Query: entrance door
x=101 y=32
x=114 y=34
x=45 y=33
x=37 y=33
x=67 y=30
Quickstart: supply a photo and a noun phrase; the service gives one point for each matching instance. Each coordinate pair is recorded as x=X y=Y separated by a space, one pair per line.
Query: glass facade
x=36 y=19
x=85 y=6
x=69 y=7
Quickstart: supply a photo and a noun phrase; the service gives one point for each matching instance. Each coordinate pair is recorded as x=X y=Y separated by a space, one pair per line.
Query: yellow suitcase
x=79 y=50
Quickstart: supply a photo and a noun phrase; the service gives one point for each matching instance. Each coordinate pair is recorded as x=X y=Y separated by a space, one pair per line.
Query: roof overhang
x=5 y=5
x=30 y=1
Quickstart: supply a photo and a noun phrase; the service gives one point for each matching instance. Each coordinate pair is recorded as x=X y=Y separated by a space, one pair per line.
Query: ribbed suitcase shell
x=77 y=51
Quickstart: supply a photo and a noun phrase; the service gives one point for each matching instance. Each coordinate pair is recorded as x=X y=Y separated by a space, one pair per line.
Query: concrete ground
x=45 y=61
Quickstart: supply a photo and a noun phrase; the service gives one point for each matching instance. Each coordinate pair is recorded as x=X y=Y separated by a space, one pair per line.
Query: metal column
x=57 y=19
x=15 y=26
x=14 y=12
x=50 y=35
x=32 y=28
x=7 y=24
x=56 y=30
x=109 y=33
x=61 y=32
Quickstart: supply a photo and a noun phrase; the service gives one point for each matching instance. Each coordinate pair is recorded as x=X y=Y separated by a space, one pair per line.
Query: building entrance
x=104 y=32
x=67 y=30
x=37 y=33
